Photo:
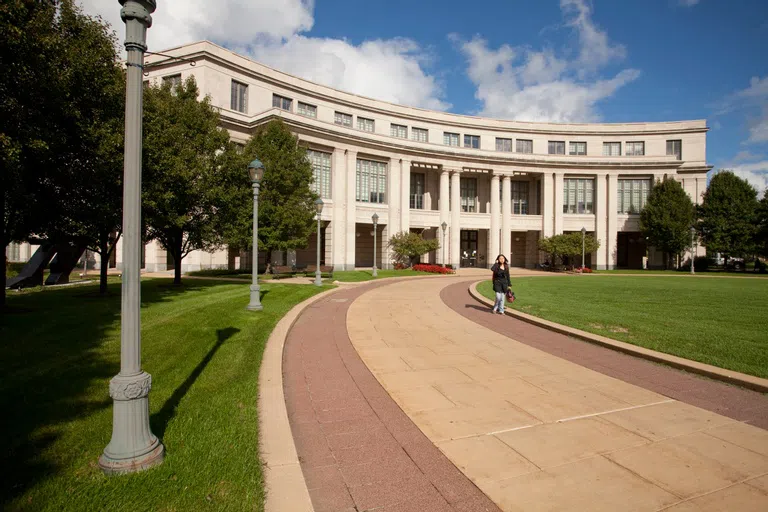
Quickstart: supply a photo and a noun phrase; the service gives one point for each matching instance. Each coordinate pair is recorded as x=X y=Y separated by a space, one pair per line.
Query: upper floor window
x=239 y=97
x=578 y=195
x=371 y=182
x=281 y=102
x=577 y=148
x=420 y=134
x=173 y=80
x=611 y=148
x=503 y=144
x=306 y=109
x=675 y=148
x=556 y=147
x=472 y=141
x=398 y=130
x=632 y=195
x=450 y=139
x=342 y=119
x=365 y=124
x=635 y=148
x=519 y=197
x=417 y=190
x=321 y=171
x=468 y=191
x=524 y=146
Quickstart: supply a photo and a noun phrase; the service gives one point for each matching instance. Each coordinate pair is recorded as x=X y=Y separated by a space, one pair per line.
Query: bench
x=282 y=271
x=325 y=271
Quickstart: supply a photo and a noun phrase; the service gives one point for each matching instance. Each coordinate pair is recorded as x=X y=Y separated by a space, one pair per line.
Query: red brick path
x=358 y=450
x=727 y=400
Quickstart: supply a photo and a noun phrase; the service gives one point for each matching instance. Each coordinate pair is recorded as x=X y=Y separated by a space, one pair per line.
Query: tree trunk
x=176 y=252
x=666 y=261
x=104 y=253
x=4 y=245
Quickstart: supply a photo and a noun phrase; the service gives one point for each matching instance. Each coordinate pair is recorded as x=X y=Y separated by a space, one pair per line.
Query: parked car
x=736 y=263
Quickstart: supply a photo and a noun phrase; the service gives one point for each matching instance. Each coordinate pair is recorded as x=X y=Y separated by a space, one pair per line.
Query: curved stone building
x=497 y=185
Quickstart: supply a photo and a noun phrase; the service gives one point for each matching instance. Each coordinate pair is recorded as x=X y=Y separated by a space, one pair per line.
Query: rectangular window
x=365 y=124
x=371 y=182
x=632 y=195
x=578 y=195
x=634 y=148
x=282 y=102
x=342 y=119
x=306 y=109
x=450 y=139
x=675 y=148
x=577 y=148
x=417 y=190
x=472 y=141
x=468 y=189
x=556 y=147
x=611 y=148
x=519 y=197
x=503 y=145
x=321 y=170
x=420 y=134
x=524 y=146
x=239 y=97
x=399 y=131
x=173 y=80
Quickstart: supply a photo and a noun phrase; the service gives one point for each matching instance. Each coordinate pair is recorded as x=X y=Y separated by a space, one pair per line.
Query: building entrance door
x=468 y=248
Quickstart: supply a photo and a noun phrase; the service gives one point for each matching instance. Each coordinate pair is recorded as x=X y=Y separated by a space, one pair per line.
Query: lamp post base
x=375 y=274
x=115 y=466
x=255 y=304
x=318 y=279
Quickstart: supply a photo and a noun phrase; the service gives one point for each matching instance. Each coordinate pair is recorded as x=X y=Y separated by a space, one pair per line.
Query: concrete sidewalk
x=538 y=432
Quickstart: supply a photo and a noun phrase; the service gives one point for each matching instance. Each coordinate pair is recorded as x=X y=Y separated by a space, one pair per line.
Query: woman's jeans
x=499 y=304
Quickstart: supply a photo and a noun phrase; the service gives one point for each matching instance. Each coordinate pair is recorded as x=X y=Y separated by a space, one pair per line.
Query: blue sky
x=558 y=60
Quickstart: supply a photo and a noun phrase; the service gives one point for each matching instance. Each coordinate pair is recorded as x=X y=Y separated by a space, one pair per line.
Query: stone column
x=405 y=195
x=506 y=218
x=394 y=198
x=493 y=247
x=601 y=220
x=547 y=205
x=351 y=179
x=612 y=211
x=558 y=203
x=443 y=203
x=455 y=222
x=338 y=220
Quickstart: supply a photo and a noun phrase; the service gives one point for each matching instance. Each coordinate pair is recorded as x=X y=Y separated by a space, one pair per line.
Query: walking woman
x=501 y=282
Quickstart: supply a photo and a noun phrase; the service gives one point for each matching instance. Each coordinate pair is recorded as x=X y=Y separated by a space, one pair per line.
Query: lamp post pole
x=693 y=248
x=255 y=172
x=318 y=275
x=583 y=234
x=444 y=225
x=375 y=219
x=132 y=447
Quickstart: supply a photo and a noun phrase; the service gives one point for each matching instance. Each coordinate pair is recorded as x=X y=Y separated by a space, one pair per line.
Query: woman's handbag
x=510 y=296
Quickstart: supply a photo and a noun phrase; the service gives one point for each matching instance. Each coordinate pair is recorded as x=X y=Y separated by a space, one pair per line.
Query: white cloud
x=752 y=100
x=756 y=173
x=271 y=32
x=525 y=84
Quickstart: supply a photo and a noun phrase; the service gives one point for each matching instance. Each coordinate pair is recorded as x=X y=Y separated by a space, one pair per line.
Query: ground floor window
x=578 y=194
x=371 y=182
x=633 y=195
x=321 y=171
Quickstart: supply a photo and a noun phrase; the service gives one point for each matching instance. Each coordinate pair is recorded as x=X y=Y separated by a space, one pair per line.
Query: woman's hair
x=506 y=261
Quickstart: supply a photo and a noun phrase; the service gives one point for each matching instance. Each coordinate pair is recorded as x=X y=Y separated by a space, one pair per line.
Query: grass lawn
x=346 y=276
x=722 y=322
x=60 y=349
x=711 y=272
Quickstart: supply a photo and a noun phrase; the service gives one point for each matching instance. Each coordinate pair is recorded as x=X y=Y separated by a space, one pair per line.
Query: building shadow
x=159 y=421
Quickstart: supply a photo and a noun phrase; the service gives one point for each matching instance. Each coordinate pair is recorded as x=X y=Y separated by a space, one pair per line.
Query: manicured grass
x=712 y=272
x=61 y=347
x=354 y=276
x=722 y=322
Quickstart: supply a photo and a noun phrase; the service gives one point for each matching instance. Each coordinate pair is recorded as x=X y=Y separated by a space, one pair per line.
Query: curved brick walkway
x=731 y=401
x=357 y=448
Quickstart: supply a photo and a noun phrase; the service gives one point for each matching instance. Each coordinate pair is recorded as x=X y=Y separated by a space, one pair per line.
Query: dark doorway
x=630 y=250
x=468 y=248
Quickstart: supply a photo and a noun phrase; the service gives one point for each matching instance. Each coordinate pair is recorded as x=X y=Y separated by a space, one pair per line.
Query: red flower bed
x=434 y=269
x=585 y=270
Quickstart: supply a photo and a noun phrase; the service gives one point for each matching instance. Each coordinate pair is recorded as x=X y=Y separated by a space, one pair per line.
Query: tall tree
x=761 y=241
x=728 y=215
x=182 y=144
x=286 y=199
x=667 y=218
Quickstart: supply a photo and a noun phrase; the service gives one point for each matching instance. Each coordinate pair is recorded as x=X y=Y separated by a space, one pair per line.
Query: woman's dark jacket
x=500 y=278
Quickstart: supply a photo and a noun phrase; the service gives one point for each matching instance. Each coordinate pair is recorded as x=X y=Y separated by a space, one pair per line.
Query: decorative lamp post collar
x=319 y=206
x=256 y=170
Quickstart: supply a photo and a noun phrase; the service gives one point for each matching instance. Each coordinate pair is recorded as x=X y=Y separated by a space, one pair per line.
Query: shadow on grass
x=54 y=371
x=159 y=421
